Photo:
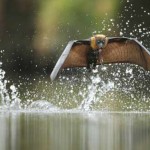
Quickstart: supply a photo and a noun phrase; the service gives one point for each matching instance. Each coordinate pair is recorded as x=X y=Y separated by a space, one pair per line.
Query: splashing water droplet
x=121 y=33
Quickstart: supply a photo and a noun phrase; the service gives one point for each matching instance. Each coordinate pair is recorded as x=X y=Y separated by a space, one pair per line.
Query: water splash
x=110 y=87
x=124 y=24
x=15 y=100
x=94 y=92
x=39 y=105
x=11 y=101
x=4 y=96
x=8 y=101
x=119 y=87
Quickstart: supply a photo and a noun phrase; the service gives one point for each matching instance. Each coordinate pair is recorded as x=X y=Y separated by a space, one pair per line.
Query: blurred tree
x=16 y=38
x=61 y=21
x=33 y=32
x=1 y=18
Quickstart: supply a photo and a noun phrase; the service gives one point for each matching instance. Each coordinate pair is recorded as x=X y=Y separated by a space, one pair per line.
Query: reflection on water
x=74 y=131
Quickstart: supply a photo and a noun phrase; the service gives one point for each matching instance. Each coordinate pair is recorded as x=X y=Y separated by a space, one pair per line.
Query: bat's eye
x=100 y=43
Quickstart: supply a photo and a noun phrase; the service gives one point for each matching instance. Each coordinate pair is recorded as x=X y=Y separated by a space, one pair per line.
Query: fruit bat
x=100 y=49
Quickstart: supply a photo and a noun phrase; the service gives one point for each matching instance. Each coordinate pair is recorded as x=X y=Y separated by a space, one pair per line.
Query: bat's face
x=99 y=41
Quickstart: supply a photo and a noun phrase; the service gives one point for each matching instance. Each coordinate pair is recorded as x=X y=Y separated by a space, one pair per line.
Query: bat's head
x=99 y=41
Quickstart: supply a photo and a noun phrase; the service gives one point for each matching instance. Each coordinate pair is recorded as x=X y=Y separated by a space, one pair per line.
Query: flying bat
x=100 y=49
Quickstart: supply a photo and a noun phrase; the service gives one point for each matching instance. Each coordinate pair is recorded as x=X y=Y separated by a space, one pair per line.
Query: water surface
x=74 y=130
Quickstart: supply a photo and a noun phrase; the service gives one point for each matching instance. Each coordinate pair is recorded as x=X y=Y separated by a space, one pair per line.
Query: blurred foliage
x=33 y=32
x=60 y=21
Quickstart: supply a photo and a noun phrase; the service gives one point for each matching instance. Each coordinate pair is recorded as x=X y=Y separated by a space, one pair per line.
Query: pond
x=74 y=130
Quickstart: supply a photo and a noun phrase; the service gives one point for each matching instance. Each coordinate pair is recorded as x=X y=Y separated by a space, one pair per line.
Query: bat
x=100 y=49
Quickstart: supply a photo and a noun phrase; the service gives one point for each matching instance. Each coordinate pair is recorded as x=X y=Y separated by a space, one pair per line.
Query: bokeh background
x=33 y=33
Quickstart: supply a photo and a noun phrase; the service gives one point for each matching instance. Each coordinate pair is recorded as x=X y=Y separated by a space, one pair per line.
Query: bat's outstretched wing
x=126 y=50
x=74 y=55
x=118 y=50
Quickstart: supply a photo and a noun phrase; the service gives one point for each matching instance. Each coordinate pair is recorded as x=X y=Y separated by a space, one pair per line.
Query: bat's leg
x=92 y=58
x=100 y=59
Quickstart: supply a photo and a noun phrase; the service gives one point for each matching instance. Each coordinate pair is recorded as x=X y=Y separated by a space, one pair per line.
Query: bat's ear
x=93 y=42
x=106 y=41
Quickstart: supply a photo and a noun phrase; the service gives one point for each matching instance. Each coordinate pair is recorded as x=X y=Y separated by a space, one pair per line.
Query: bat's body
x=100 y=49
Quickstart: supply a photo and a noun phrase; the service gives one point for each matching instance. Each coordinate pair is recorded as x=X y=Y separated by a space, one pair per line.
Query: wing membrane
x=72 y=56
x=118 y=50
x=126 y=50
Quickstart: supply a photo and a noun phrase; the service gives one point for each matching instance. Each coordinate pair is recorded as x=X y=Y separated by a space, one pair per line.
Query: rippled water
x=74 y=131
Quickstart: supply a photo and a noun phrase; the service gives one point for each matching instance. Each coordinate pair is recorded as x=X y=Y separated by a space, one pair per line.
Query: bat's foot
x=91 y=67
